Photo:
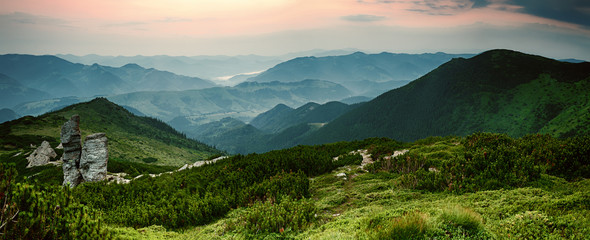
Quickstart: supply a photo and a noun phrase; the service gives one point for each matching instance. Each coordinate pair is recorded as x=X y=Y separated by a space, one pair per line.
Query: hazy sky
x=553 y=28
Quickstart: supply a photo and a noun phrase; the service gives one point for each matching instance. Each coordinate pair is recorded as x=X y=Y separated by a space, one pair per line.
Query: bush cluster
x=493 y=161
x=32 y=211
x=411 y=225
x=567 y=158
x=464 y=218
x=199 y=195
x=270 y=216
x=529 y=225
x=404 y=164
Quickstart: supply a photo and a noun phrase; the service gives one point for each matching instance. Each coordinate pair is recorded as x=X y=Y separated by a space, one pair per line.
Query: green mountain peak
x=499 y=90
x=131 y=138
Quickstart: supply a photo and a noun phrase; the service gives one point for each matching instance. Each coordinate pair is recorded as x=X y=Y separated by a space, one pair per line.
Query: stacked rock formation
x=42 y=155
x=70 y=140
x=93 y=162
x=82 y=164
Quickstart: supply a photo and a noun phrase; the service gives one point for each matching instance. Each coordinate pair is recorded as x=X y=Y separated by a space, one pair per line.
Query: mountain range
x=282 y=117
x=47 y=83
x=33 y=78
x=244 y=101
x=496 y=91
x=364 y=74
x=12 y=92
x=500 y=90
x=278 y=128
x=216 y=68
x=474 y=185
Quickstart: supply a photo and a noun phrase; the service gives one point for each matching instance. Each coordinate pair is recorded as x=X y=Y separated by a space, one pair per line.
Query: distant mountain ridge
x=244 y=101
x=499 y=91
x=7 y=114
x=12 y=92
x=364 y=74
x=278 y=128
x=60 y=78
x=207 y=67
x=280 y=118
x=271 y=117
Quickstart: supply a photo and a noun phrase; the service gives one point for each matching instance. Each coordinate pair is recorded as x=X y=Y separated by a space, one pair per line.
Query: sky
x=552 y=28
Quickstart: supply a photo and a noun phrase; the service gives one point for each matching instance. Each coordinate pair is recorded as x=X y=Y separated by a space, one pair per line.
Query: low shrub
x=349 y=159
x=567 y=158
x=293 y=185
x=411 y=225
x=528 y=225
x=489 y=168
x=381 y=147
x=488 y=161
x=199 y=195
x=406 y=163
x=276 y=217
x=30 y=211
x=149 y=160
x=461 y=217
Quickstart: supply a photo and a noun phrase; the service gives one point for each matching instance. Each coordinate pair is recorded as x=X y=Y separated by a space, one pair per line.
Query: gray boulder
x=42 y=155
x=95 y=155
x=70 y=139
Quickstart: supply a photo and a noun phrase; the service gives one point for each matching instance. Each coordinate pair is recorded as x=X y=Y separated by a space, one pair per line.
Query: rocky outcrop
x=200 y=163
x=42 y=155
x=118 y=178
x=82 y=164
x=70 y=140
x=95 y=155
x=186 y=166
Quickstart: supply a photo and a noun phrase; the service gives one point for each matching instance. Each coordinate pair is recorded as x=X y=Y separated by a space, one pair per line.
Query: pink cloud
x=230 y=17
x=121 y=24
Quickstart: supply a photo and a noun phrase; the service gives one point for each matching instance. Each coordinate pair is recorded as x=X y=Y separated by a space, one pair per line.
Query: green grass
x=376 y=206
x=497 y=214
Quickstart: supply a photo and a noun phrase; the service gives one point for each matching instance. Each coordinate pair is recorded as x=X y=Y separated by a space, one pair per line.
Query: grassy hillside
x=514 y=191
x=499 y=91
x=131 y=138
x=483 y=186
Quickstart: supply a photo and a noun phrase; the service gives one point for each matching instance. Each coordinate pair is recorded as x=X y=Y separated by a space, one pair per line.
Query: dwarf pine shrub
x=411 y=225
x=465 y=218
x=32 y=211
x=276 y=217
